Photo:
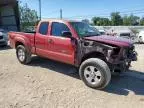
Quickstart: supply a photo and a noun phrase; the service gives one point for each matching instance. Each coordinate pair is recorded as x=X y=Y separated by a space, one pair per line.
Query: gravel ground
x=49 y=84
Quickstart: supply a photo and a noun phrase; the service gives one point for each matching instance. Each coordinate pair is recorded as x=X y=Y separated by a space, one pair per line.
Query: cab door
x=41 y=39
x=60 y=48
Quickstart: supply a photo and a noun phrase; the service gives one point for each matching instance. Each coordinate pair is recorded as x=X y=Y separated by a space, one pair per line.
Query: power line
x=90 y=16
x=132 y=11
x=101 y=15
x=138 y=11
x=107 y=14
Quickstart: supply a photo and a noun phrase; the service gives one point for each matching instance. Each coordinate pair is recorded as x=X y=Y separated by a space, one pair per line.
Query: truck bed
x=26 y=38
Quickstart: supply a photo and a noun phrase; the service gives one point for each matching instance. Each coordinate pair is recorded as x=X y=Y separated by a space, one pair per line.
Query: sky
x=86 y=9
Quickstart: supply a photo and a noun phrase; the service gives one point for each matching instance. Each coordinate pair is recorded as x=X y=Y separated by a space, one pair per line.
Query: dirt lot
x=49 y=84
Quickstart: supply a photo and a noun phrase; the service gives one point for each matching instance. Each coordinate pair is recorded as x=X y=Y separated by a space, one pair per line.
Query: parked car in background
x=124 y=33
x=101 y=30
x=3 y=37
x=141 y=37
x=95 y=56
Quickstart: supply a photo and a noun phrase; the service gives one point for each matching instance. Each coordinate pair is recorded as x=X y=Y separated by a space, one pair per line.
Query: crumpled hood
x=118 y=41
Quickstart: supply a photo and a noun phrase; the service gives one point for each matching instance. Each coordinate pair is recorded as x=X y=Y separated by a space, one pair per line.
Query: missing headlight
x=114 y=52
x=88 y=43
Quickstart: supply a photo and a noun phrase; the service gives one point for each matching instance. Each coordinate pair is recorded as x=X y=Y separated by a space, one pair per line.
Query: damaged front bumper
x=122 y=62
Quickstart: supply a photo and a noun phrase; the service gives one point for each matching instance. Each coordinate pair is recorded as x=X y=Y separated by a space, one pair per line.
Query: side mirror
x=67 y=34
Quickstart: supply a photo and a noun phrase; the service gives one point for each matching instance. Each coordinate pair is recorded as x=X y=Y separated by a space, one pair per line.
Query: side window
x=43 y=29
x=57 y=28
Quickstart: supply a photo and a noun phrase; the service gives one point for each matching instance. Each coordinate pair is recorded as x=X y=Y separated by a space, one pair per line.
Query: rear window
x=125 y=34
x=43 y=29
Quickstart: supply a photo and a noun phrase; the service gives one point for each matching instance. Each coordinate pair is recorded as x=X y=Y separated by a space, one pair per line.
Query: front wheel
x=95 y=73
x=23 y=55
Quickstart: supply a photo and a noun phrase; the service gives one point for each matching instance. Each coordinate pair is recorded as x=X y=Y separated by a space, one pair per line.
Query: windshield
x=84 y=29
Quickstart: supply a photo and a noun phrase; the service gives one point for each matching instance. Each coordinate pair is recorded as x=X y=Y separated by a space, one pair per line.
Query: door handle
x=50 y=41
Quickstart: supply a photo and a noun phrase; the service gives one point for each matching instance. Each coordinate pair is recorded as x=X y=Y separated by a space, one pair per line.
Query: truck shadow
x=4 y=48
x=129 y=82
x=55 y=66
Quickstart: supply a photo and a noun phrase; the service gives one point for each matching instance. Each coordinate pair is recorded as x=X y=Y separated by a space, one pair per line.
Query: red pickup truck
x=78 y=44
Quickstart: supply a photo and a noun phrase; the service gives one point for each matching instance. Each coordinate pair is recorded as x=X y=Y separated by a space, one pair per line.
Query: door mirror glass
x=66 y=34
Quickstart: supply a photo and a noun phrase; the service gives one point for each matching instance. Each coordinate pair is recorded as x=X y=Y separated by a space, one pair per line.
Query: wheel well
x=94 y=55
x=18 y=43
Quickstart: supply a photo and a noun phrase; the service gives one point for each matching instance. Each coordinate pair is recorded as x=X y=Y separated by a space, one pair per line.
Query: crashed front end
x=118 y=58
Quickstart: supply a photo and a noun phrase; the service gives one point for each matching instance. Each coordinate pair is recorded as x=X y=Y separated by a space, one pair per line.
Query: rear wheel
x=23 y=55
x=95 y=73
x=141 y=40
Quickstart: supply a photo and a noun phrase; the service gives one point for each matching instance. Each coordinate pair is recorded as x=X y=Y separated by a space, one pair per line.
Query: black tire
x=101 y=67
x=141 y=40
x=6 y=44
x=27 y=54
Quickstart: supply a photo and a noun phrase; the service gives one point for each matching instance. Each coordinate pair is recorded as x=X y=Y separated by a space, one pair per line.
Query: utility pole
x=61 y=14
x=40 y=9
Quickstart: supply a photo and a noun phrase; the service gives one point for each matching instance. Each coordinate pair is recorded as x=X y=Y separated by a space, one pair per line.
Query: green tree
x=134 y=20
x=142 y=21
x=105 y=21
x=101 y=21
x=28 y=17
x=126 y=21
x=131 y=20
x=116 y=19
x=95 y=20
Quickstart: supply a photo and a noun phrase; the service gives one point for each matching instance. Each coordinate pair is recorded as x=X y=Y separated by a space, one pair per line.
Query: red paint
x=56 y=48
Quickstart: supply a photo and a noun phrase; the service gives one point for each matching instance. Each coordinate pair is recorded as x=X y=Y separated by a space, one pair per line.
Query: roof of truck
x=63 y=20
